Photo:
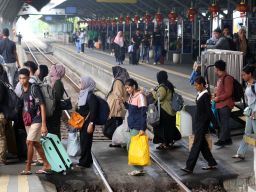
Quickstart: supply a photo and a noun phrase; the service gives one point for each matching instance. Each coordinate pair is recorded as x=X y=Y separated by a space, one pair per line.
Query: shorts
x=34 y=132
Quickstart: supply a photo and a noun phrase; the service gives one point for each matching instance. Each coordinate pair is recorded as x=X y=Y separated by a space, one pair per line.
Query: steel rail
x=153 y=156
x=95 y=162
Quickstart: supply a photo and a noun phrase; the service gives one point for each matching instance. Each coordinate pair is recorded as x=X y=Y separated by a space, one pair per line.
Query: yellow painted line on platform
x=4 y=181
x=153 y=83
x=23 y=183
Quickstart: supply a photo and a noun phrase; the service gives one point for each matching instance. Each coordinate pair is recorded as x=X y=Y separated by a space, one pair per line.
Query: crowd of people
x=138 y=46
x=124 y=96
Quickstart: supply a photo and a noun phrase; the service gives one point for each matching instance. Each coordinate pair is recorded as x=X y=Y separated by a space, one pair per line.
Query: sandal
x=37 y=163
x=136 y=173
x=209 y=168
x=42 y=171
x=24 y=172
x=237 y=156
x=162 y=147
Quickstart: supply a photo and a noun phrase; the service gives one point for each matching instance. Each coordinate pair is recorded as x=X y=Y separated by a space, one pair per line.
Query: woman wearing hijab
x=42 y=73
x=87 y=107
x=117 y=109
x=166 y=132
x=119 y=47
x=57 y=72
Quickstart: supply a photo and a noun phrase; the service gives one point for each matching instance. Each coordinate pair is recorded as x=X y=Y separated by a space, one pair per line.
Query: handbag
x=76 y=120
x=247 y=111
x=110 y=127
x=191 y=139
x=73 y=147
x=65 y=104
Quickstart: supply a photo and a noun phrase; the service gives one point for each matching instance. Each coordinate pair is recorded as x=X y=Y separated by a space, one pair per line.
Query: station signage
x=70 y=10
x=187 y=37
x=173 y=36
x=205 y=31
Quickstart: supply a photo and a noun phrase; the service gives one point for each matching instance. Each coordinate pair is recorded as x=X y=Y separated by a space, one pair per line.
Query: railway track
x=96 y=164
x=67 y=113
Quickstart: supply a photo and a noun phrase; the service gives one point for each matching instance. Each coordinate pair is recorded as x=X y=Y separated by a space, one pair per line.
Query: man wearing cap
x=222 y=42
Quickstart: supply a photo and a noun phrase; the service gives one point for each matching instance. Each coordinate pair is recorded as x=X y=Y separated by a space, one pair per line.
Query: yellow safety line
x=188 y=96
x=23 y=183
x=4 y=181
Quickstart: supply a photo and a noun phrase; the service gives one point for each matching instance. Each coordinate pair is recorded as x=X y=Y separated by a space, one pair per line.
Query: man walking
x=223 y=96
x=136 y=40
x=9 y=53
x=157 y=44
x=34 y=117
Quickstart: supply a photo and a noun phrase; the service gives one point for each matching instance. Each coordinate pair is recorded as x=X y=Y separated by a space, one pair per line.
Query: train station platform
x=234 y=175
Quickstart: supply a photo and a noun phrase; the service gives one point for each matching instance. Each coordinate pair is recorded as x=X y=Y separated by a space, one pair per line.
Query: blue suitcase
x=56 y=153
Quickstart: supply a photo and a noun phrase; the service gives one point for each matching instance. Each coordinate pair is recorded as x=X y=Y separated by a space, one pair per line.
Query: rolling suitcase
x=56 y=153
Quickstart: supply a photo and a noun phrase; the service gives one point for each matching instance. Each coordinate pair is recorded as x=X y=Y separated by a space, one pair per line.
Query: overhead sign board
x=117 y=1
x=70 y=10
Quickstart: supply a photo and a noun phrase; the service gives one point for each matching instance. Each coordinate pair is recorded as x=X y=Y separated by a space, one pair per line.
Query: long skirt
x=167 y=131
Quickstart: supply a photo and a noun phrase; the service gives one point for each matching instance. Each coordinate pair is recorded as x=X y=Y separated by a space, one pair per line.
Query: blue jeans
x=145 y=53
x=157 y=51
x=250 y=127
x=78 y=46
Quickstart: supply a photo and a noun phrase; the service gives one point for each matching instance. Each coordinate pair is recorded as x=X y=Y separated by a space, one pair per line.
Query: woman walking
x=204 y=116
x=87 y=107
x=117 y=109
x=137 y=108
x=119 y=47
x=166 y=132
x=57 y=72
x=250 y=111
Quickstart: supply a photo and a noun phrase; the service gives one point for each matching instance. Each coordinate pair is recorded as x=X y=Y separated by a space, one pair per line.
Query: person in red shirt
x=223 y=96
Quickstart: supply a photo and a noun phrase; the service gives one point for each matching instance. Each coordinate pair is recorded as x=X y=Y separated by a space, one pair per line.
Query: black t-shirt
x=2 y=95
x=157 y=38
x=137 y=39
x=8 y=50
x=32 y=99
x=146 y=40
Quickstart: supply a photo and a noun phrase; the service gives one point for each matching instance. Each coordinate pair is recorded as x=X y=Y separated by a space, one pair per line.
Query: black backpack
x=13 y=103
x=238 y=91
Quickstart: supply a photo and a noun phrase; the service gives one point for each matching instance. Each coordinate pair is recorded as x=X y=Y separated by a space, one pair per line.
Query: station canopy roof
x=110 y=8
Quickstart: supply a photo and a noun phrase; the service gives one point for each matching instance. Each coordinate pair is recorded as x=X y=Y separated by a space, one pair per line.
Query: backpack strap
x=253 y=88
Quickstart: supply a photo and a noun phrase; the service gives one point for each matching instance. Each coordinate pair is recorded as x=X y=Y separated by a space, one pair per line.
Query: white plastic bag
x=73 y=148
x=121 y=135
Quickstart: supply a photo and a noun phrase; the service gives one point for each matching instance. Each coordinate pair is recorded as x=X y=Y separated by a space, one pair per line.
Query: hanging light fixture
x=147 y=18
x=159 y=17
x=214 y=8
x=136 y=19
x=172 y=16
x=120 y=19
x=113 y=22
x=127 y=20
x=191 y=12
x=242 y=7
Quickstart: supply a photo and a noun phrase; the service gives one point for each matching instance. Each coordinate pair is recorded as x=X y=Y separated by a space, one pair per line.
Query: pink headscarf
x=56 y=72
x=119 y=40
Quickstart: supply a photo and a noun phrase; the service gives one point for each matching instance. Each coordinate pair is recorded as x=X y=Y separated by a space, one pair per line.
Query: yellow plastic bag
x=139 y=151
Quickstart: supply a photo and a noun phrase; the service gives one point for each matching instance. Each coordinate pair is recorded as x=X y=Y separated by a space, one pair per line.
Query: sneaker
x=219 y=143
x=154 y=63
x=228 y=142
